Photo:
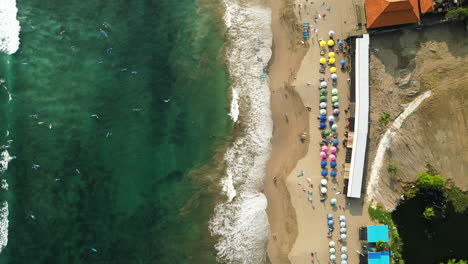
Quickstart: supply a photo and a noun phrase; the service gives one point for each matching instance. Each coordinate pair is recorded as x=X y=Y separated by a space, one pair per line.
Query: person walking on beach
x=274 y=180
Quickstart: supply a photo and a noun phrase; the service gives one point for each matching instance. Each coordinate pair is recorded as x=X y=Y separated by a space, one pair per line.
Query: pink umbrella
x=332 y=157
x=333 y=150
x=324 y=148
x=323 y=154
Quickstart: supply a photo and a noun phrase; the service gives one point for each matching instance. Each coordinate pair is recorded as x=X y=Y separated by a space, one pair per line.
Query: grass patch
x=458 y=198
x=380 y=215
x=385 y=118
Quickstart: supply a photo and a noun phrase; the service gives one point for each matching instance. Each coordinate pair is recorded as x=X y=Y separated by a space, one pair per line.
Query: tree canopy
x=427 y=181
x=454 y=261
x=429 y=213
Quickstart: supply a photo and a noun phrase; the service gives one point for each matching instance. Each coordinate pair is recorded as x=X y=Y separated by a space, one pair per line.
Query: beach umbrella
x=333 y=201
x=331 y=118
x=323 y=84
x=333 y=69
x=332 y=251
x=332 y=157
x=323 y=60
x=343 y=230
x=335 y=142
x=323 y=182
x=334 y=91
x=331 y=33
x=324 y=173
x=309 y=199
x=323 y=190
x=322 y=43
x=323 y=91
x=336 y=105
x=344 y=249
x=331 y=43
x=344 y=256
x=343 y=62
x=323 y=105
x=326 y=132
x=333 y=151
x=331 y=60
x=323 y=154
x=324 y=148
x=342 y=218
x=334 y=127
x=333 y=164
x=333 y=174
x=340 y=43
x=323 y=98
x=323 y=111
x=323 y=118
x=334 y=76
x=330 y=222
x=343 y=224
x=331 y=244
x=331 y=54
x=334 y=99
x=323 y=163
x=336 y=111
x=322 y=125
x=332 y=257
x=343 y=237
x=329 y=216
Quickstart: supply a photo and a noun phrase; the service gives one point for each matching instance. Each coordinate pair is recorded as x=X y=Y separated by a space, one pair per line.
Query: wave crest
x=9 y=27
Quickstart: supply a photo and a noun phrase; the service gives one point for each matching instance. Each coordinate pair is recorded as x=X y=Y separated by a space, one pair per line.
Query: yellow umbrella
x=322 y=60
x=331 y=43
x=331 y=60
x=331 y=54
x=322 y=43
x=333 y=69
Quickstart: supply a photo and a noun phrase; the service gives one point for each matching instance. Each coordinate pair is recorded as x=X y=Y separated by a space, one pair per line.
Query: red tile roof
x=427 y=6
x=382 y=13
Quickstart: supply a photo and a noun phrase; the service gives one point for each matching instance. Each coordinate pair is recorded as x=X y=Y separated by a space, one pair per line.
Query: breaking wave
x=9 y=27
x=241 y=222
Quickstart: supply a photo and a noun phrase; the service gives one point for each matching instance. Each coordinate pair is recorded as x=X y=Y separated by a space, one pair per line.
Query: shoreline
x=290 y=119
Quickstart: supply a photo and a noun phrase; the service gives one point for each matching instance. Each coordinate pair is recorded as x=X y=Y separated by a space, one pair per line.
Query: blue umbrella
x=329 y=216
x=323 y=118
x=343 y=62
x=323 y=164
x=324 y=173
x=330 y=222
x=323 y=125
x=335 y=142
x=333 y=164
x=333 y=174
x=340 y=43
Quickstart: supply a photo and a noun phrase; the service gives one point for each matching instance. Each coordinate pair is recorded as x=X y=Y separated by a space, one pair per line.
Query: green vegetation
x=385 y=118
x=381 y=245
x=458 y=14
x=380 y=215
x=427 y=181
x=458 y=198
x=454 y=261
x=429 y=213
x=392 y=169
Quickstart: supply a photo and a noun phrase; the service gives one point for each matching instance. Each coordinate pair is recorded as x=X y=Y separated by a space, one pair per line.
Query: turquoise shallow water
x=134 y=198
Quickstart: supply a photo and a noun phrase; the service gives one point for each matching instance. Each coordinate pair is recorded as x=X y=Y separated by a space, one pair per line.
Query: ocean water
x=138 y=184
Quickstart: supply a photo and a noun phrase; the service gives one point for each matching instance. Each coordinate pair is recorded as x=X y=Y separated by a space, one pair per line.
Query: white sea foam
x=9 y=27
x=241 y=222
x=5 y=158
x=3 y=226
x=385 y=143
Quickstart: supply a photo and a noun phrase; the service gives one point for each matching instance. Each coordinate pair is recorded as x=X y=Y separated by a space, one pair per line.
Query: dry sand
x=300 y=229
x=404 y=65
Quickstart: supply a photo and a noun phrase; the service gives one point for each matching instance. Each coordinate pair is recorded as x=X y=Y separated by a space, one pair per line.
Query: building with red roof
x=383 y=13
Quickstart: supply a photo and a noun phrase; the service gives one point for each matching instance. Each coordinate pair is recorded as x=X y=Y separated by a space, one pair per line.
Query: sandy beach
x=299 y=226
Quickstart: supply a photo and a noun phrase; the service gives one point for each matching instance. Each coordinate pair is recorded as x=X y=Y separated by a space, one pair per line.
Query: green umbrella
x=334 y=91
x=323 y=91
x=323 y=98
x=326 y=133
x=334 y=99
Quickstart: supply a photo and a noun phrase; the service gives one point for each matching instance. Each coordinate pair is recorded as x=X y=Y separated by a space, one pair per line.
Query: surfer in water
x=134 y=72
x=108 y=134
x=123 y=69
x=103 y=33
x=35 y=166
x=78 y=171
x=96 y=116
x=166 y=100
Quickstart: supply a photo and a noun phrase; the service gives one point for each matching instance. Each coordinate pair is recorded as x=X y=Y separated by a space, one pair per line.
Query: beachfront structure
x=377 y=233
x=361 y=117
x=378 y=258
x=384 y=13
